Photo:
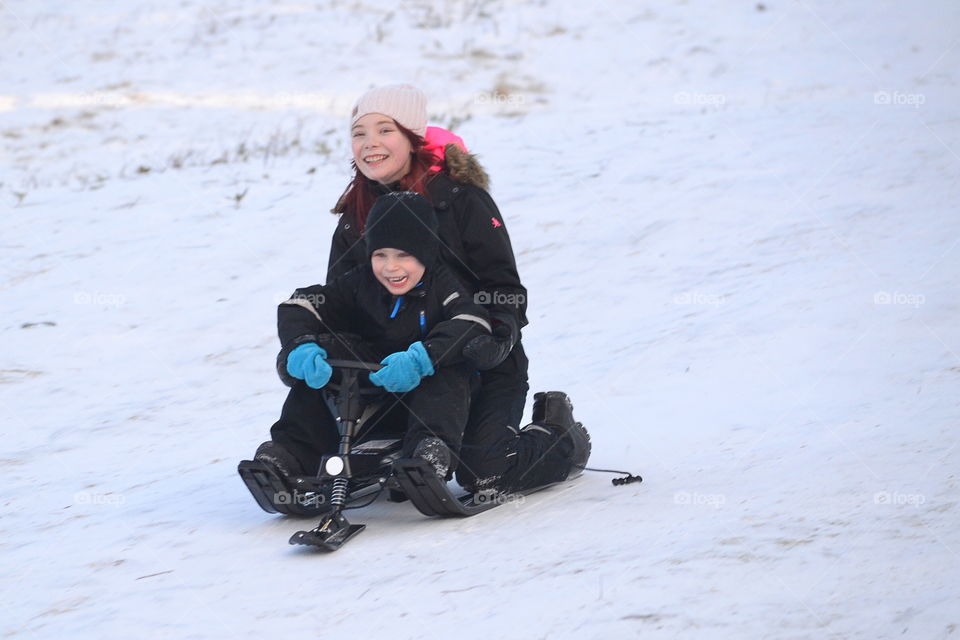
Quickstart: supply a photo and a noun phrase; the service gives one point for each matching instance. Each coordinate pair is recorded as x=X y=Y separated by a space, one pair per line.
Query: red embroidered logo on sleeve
x=496 y=223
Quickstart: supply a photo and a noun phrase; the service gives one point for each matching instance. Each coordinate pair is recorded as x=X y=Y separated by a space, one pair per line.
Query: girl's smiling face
x=380 y=150
x=396 y=270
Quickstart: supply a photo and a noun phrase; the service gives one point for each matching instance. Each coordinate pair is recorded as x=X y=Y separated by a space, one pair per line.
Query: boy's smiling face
x=396 y=270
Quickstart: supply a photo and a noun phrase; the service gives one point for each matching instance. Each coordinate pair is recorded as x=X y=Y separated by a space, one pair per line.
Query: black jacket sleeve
x=489 y=254
x=463 y=320
x=310 y=312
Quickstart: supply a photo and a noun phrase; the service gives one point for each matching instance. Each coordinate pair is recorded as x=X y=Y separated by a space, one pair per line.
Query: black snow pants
x=477 y=414
x=495 y=453
x=438 y=406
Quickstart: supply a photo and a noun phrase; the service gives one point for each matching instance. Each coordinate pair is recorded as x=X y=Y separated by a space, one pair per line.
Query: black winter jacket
x=439 y=312
x=474 y=242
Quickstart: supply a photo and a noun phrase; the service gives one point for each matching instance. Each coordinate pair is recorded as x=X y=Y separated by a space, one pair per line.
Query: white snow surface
x=738 y=225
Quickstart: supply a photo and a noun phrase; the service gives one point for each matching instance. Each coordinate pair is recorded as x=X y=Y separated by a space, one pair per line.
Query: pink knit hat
x=406 y=104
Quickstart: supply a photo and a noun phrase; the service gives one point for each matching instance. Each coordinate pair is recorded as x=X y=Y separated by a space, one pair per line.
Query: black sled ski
x=429 y=493
x=305 y=496
x=271 y=491
x=332 y=532
x=432 y=497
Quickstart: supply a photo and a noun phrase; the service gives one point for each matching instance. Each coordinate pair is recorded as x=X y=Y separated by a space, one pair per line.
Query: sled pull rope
x=627 y=479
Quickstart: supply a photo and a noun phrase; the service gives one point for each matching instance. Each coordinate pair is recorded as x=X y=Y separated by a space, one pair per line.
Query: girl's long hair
x=357 y=199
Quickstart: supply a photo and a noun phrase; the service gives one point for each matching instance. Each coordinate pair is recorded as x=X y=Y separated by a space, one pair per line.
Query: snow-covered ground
x=738 y=225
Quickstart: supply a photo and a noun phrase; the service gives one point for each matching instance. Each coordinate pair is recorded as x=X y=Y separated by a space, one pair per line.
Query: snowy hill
x=738 y=226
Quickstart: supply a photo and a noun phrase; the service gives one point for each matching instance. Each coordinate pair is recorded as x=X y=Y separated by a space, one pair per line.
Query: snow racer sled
x=355 y=472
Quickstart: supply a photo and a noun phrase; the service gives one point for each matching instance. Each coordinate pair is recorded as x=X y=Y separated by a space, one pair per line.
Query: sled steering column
x=334 y=529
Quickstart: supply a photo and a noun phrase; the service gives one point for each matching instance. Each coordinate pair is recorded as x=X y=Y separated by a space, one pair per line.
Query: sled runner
x=307 y=495
x=430 y=494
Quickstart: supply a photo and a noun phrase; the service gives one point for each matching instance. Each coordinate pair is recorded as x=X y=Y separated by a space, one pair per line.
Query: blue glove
x=404 y=369
x=308 y=362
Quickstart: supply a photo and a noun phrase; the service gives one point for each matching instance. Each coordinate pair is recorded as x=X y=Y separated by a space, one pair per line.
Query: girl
x=394 y=150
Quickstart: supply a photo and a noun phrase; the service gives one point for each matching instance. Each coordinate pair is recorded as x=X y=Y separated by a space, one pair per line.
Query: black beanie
x=403 y=220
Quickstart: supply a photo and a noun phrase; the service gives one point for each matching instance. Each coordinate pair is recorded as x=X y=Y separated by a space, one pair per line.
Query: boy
x=404 y=309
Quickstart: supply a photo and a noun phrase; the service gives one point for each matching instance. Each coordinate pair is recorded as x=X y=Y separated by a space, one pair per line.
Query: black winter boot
x=297 y=500
x=553 y=409
x=436 y=452
x=281 y=460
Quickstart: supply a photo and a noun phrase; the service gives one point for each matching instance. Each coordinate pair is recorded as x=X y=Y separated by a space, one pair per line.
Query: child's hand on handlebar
x=308 y=362
x=403 y=369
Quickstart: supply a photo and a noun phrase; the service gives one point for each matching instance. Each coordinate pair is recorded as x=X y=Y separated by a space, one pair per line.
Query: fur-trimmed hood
x=464 y=167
